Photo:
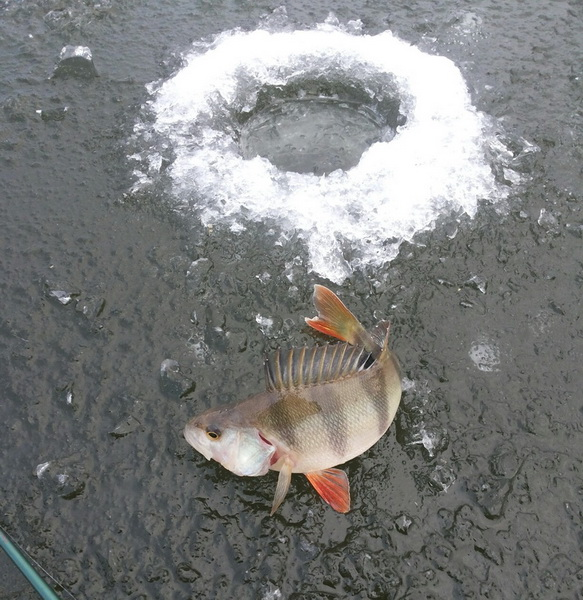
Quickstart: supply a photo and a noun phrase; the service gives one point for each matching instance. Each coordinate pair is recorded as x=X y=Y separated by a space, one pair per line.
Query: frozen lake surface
x=149 y=260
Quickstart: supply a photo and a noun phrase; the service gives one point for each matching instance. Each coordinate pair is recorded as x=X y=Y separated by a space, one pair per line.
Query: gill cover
x=240 y=450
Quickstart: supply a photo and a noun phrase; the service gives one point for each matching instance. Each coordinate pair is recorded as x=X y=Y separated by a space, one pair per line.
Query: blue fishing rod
x=24 y=564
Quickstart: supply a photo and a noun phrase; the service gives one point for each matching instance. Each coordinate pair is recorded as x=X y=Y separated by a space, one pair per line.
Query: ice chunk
x=442 y=477
x=75 y=61
x=415 y=432
x=403 y=523
x=169 y=367
x=271 y=593
x=62 y=296
x=433 y=440
x=265 y=324
x=478 y=283
x=90 y=306
x=40 y=469
x=264 y=277
x=549 y=221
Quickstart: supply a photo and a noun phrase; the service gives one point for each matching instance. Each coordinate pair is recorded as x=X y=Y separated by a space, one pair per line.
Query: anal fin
x=333 y=487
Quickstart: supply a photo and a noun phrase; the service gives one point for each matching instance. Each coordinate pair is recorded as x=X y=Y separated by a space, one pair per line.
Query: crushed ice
x=441 y=160
x=61 y=296
x=265 y=324
x=485 y=355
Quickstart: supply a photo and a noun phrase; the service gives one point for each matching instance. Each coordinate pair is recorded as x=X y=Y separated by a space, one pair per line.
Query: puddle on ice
x=434 y=157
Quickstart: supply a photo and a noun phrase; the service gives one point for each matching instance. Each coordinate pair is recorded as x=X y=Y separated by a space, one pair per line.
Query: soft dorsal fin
x=380 y=333
x=335 y=320
x=298 y=367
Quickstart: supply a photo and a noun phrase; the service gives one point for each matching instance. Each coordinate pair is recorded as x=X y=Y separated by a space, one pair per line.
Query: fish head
x=241 y=450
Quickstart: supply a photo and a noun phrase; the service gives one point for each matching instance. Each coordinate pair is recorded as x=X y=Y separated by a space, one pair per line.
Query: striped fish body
x=323 y=406
x=320 y=425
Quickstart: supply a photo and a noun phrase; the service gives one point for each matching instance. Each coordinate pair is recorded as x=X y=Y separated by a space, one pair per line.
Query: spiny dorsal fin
x=299 y=367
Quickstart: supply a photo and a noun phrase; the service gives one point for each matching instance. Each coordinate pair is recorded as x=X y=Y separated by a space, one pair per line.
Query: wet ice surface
x=476 y=489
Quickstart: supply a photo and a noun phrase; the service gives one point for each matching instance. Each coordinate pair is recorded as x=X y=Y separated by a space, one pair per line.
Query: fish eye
x=213 y=434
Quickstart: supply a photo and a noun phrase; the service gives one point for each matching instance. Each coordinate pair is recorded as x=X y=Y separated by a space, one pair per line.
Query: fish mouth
x=192 y=436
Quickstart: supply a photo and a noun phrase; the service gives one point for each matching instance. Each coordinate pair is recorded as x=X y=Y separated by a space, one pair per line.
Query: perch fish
x=323 y=406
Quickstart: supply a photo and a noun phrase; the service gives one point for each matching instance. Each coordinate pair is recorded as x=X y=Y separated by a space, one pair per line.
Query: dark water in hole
x=315 y=135
x=318 y=126
x=476 y=491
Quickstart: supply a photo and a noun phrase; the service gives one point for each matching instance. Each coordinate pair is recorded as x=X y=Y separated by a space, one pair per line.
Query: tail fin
x=336 y=320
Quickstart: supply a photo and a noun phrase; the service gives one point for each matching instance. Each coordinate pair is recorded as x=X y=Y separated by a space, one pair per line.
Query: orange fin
x=333 y=487
x=335 y=320
x=324 y=327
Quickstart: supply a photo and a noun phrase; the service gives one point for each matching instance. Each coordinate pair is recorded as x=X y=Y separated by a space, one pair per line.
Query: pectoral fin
x=333 y=486
x=282 y=484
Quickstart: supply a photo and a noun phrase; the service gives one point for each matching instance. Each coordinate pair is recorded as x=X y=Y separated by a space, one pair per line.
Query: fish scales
x=323 y=406
x=326 y=424
x=308 y=426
